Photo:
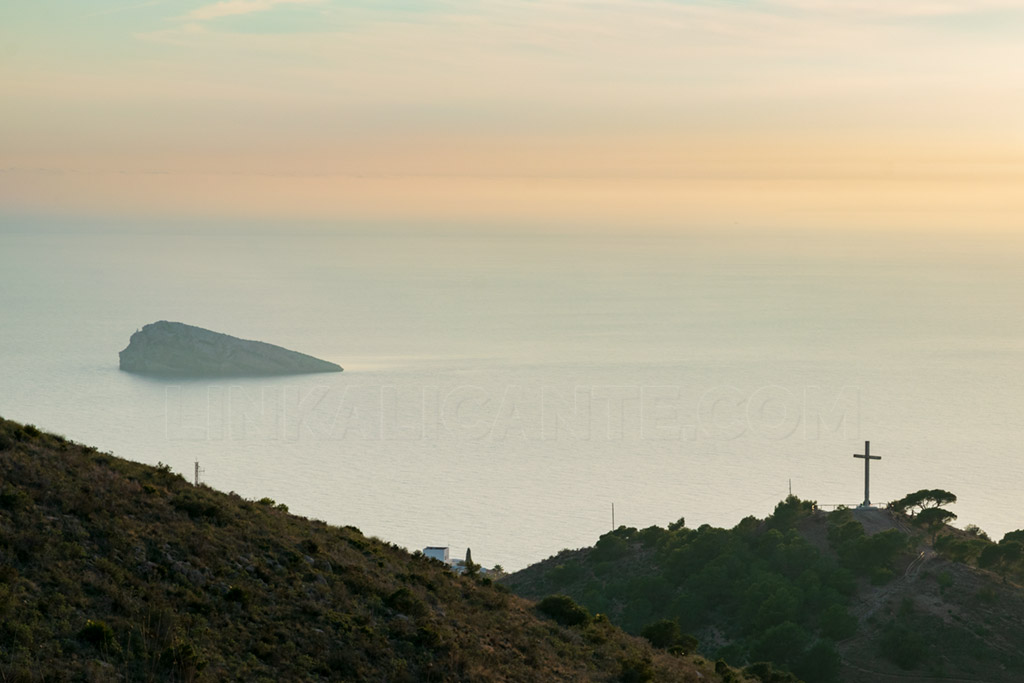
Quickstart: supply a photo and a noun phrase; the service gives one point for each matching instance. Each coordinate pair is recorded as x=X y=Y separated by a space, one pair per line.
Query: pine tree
x=470 y=569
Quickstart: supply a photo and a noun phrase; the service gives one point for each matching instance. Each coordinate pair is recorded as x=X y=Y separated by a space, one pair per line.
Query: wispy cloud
x=910 y=8
x=230 y=8
x=123 y=8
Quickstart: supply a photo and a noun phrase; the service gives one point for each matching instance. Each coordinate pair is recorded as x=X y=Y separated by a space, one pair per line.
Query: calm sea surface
x=501 y=392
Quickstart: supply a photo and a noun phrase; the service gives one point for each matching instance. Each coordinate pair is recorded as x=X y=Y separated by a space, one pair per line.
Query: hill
x=852 y=595
x=112 y=570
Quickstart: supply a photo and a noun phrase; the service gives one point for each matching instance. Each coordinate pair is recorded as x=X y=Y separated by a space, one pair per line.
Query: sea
x=521 y=391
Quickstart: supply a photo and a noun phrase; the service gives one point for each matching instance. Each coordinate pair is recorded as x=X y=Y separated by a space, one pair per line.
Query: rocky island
x=170 y=349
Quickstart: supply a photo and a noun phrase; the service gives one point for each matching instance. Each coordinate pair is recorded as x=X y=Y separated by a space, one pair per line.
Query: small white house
x=438 y=553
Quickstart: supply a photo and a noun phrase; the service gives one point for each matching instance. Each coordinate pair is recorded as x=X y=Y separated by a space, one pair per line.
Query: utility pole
x=613 y=516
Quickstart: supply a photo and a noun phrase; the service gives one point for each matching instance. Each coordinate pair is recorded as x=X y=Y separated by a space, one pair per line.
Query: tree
x=991 y=556
x=881 y=549
x=609 y=547
x=677 y=525
x=933 y=519
x=1000 y=557
x=1011 y=551
x=820 y=663
x=919 y=501
x=468 y=568
x=782 y=645
x=1017 y=535
x=902 y=646
x=664 y=633
x=789 y=511
x=837 y=623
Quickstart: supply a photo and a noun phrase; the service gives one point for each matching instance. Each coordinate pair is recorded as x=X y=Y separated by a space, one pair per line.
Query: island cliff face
x=169 y=349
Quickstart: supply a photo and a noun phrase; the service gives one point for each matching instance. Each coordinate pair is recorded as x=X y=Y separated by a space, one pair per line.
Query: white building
x=438 y=553
x=443 y=554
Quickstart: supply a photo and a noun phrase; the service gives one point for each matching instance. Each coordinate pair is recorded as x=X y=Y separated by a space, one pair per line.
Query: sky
x=667 y=115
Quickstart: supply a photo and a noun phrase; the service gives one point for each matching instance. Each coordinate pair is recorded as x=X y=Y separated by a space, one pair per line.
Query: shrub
x=564 y=610
x=635 y=670
x=183 y=659
x=97 y=634
x=821 y=663
x=782 y=644
x=564 y=574
x=197 y=507
x=881 y=576
x=651 y=535
x=15 y=499
x=609 y=547
x=403 y=600
x=837 y=623
x=677 y=525
x=902 y=646
x=766 y=673
x=664 y=633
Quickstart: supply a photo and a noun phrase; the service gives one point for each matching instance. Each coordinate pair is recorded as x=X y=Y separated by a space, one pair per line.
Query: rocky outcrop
x=169 y=349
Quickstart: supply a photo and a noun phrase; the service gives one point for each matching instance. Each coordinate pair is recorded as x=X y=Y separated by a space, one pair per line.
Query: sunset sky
x=662 y=115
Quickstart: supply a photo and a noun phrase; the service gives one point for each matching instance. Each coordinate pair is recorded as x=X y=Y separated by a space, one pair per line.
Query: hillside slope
x=853 y=595
x=112 y=570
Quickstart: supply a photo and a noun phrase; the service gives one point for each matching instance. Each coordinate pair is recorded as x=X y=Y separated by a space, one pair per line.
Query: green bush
x=564 y=574
x=404 y=601
x=15 y=499
x=664 y=633
x=97 y=634
x=635 y=670
x=564 y=610
x=837 y=623
x=766 y=673
x=609 y=547
x=902 y=646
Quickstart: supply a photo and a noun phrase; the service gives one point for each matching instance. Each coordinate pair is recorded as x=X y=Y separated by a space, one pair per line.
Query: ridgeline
x=856 y=595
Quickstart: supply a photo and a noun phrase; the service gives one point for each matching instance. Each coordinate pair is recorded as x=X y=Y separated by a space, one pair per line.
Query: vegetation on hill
x=113 y=570
x=849 y=595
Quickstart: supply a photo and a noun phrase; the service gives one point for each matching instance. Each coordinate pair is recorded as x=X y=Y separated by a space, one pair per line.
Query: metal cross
x=867 y=472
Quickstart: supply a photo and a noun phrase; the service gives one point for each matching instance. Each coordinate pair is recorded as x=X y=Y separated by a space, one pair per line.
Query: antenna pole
x=613 y=516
